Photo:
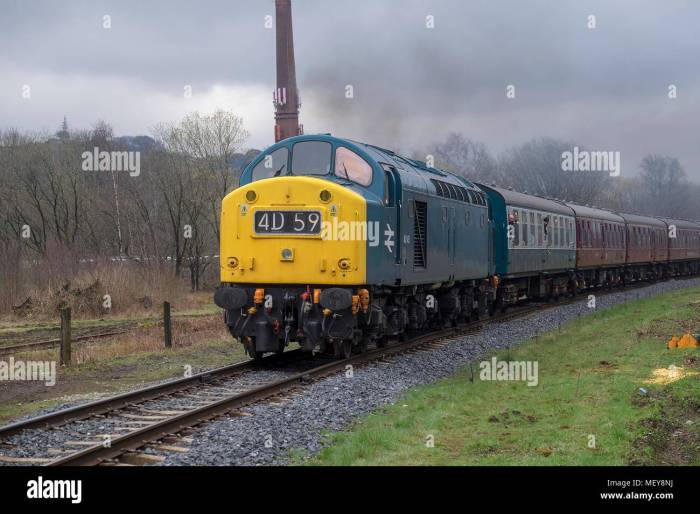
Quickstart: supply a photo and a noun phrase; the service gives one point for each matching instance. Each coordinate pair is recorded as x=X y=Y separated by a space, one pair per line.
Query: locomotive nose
x=283 y=230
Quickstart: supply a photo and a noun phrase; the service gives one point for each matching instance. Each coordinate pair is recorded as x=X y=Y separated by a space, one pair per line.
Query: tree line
x=657 y=186
x=60 y=201
x=54 y=205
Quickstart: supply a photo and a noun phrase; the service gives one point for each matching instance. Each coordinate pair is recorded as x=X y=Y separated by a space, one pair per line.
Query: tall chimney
x=286 y=96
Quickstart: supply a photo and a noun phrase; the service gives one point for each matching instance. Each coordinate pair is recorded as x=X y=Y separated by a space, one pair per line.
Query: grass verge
x=605 y=396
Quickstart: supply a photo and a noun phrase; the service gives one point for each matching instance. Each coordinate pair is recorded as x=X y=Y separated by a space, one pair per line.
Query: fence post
x=65 y=337
x=167 y=325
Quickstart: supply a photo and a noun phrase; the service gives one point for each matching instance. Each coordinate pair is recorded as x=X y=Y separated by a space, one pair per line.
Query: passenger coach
x=534 y=244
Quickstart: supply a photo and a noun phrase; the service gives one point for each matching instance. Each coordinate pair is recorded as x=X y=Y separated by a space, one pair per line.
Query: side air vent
x=459 y=193
x=419 y=234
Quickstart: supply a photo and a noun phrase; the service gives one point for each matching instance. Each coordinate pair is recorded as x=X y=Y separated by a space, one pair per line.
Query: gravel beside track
x=332 y=404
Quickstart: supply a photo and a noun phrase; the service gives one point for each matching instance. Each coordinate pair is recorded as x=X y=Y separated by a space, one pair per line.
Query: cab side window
x=351 y=166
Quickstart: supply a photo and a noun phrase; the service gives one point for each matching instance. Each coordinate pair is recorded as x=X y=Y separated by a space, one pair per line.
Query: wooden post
x=65 y=337
x=167 y=325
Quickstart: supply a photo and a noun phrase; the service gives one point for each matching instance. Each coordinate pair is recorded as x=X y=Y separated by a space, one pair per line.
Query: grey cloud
x=604 y=87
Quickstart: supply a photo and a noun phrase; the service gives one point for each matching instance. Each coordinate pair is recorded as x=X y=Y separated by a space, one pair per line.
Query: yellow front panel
x=247 y=257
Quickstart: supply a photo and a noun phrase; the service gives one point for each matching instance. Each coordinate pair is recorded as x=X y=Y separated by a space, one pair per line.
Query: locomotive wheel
x=342 y=349
x=364 y=343
x=249 y=343
x=381 y=342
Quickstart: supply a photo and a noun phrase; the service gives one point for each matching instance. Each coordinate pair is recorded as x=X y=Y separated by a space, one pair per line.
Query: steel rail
x=52 y=343
x=120 y=401
x=140 y=437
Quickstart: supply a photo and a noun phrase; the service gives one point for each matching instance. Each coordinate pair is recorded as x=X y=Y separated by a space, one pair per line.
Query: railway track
x=55 y=343
x=138 y=428
x=184 y=403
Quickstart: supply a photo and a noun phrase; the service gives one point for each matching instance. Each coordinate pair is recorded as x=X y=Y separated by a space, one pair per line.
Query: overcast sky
x=604 y=88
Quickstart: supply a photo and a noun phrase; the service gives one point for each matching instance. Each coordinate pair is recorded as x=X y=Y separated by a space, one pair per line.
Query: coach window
x=572 y=233
x=533 y=236
x=516 y=227
x=272 y=165
x=589 y=235
x=597 y=242
x=561 y=232
x=351 y=166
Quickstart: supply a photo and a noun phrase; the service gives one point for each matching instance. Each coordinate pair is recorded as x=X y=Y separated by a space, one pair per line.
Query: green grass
x=590 y=374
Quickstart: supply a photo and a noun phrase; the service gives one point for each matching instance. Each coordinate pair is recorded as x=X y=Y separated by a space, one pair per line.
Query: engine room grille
x=419 y=234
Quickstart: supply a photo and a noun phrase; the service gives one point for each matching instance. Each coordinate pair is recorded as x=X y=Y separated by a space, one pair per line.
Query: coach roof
x=517 y=199
x=636 y=219
x=595 y=213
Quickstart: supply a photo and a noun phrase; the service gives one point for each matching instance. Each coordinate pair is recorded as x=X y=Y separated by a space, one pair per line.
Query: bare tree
x=465 y=157
x=536 y=167
x=665 y=187
x=205 y=146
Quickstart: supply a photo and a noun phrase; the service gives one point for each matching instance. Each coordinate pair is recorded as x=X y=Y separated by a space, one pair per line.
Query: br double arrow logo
x=389 y=238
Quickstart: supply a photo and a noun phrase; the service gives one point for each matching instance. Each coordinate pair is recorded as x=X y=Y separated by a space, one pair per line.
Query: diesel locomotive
x=336 y=245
